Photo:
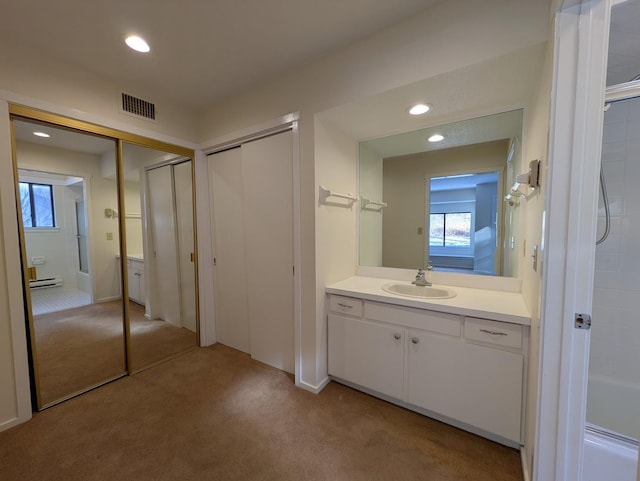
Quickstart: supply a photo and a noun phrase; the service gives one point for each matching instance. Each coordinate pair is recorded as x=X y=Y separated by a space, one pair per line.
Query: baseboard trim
x=108 y=299
x=525 y=464
x=312 y=388
x=13 y=422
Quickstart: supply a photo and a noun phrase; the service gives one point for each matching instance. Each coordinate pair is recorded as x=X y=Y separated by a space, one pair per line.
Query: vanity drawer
x=439 y=322
x=493 y=332
x=345 y=305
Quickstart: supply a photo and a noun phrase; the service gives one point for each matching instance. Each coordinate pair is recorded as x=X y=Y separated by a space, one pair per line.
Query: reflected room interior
x=82 y=333
x=160 y=254
x=71 y=250
x=443 y=198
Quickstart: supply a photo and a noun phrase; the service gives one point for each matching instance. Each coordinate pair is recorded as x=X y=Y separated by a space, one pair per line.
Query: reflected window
x=451 y=229
x=37 y=205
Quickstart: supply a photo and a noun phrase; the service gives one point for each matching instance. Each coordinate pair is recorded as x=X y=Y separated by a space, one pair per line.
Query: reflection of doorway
x=462 y=223
x=51 y=223
x=81 y=235
x=170 y=220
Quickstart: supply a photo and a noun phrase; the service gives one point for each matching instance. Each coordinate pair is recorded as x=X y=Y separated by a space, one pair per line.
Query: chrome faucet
x=421 y=278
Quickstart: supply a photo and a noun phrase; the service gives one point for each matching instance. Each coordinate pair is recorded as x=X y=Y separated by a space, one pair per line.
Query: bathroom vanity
x=461 y=360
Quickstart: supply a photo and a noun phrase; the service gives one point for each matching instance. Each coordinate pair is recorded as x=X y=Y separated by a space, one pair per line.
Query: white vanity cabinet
x=462 y=370
x=367 y=353
x=135 y=279
x=474 y=384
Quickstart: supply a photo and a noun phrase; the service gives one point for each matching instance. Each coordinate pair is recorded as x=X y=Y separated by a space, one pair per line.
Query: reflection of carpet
x=84 y=346
x=155 y=340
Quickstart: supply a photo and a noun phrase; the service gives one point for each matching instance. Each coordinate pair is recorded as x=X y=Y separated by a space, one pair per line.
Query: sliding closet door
x=230 y=281
x=267 y=173
x=164 y=244
x=252 y=204
x=186 y=241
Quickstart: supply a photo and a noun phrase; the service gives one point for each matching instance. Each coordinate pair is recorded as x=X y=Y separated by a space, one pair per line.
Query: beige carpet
x=215 y=414
x=81 y=347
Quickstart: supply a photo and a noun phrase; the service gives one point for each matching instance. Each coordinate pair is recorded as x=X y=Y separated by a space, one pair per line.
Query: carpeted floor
x=81 y=347
x=215 y=414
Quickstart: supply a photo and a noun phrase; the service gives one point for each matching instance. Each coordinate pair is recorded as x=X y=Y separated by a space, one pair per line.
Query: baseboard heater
x=46 y=283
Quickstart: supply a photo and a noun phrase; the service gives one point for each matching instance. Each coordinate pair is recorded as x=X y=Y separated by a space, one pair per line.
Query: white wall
x=336 y=168
x=466 y=32
x=535 y=146
x=26 y=72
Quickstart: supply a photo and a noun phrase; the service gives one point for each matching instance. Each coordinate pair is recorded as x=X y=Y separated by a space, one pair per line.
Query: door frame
x=274 y=126
x=581 y=32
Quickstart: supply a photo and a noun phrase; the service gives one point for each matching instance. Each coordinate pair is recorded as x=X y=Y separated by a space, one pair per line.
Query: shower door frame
x=575 y=145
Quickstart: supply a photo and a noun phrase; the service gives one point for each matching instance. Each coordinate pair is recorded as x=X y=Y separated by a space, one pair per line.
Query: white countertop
x=484 y=303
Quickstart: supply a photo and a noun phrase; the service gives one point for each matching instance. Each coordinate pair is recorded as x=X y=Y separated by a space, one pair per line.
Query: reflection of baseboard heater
x=46 y=283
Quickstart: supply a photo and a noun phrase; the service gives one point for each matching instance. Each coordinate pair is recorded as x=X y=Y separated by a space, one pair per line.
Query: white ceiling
x=201 y=50
x=500 y=126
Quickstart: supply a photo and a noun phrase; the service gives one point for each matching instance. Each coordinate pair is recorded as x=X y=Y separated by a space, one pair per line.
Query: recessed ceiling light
x=419 y=109
x=41 y=134
x=137 y=43
x=436 y=138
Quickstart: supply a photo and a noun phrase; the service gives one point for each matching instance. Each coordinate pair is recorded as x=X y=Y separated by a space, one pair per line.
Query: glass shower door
x=614 y=378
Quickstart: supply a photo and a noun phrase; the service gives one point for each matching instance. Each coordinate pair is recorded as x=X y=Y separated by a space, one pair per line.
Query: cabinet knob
x=415 y=340
x=397 y=336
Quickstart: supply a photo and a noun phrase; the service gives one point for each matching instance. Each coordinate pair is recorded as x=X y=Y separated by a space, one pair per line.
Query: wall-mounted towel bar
x=325 y=193
x=368 y=204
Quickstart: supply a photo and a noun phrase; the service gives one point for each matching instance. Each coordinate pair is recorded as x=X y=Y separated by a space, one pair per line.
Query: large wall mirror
x=444 y=198
x=107 y=241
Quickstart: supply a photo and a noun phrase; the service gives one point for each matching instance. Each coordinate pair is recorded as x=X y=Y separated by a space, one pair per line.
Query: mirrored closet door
x=107 y=234
x=68 y=197
x=160 y=254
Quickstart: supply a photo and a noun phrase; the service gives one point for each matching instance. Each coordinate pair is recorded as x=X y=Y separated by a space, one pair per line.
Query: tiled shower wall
x=614 y=371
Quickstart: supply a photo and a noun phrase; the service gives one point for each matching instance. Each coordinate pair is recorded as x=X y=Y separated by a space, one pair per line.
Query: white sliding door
x=186 y=251
x=252 y=208
x=166 y=305
x=230 y=281
x=268 y=223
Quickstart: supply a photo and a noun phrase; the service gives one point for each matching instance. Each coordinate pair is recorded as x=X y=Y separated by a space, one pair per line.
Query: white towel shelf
x=326 y=193
x=368 y=203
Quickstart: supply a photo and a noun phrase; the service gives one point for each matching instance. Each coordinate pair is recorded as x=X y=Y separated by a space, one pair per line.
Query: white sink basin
x=411 y=290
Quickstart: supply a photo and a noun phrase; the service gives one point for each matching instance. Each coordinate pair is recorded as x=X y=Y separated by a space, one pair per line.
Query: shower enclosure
x=613 y=396
x=614 y=377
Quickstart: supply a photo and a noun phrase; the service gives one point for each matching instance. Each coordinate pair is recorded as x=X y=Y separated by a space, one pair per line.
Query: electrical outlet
x=109 y=235
x=419 y=230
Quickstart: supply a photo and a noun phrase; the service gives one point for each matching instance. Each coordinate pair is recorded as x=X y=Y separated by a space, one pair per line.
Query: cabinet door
x=134 y=283
x=476 y=385
x=368 y=354
x=142 y=289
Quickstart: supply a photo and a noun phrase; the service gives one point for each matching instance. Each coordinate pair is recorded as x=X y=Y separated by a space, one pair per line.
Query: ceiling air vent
x=139 y=107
